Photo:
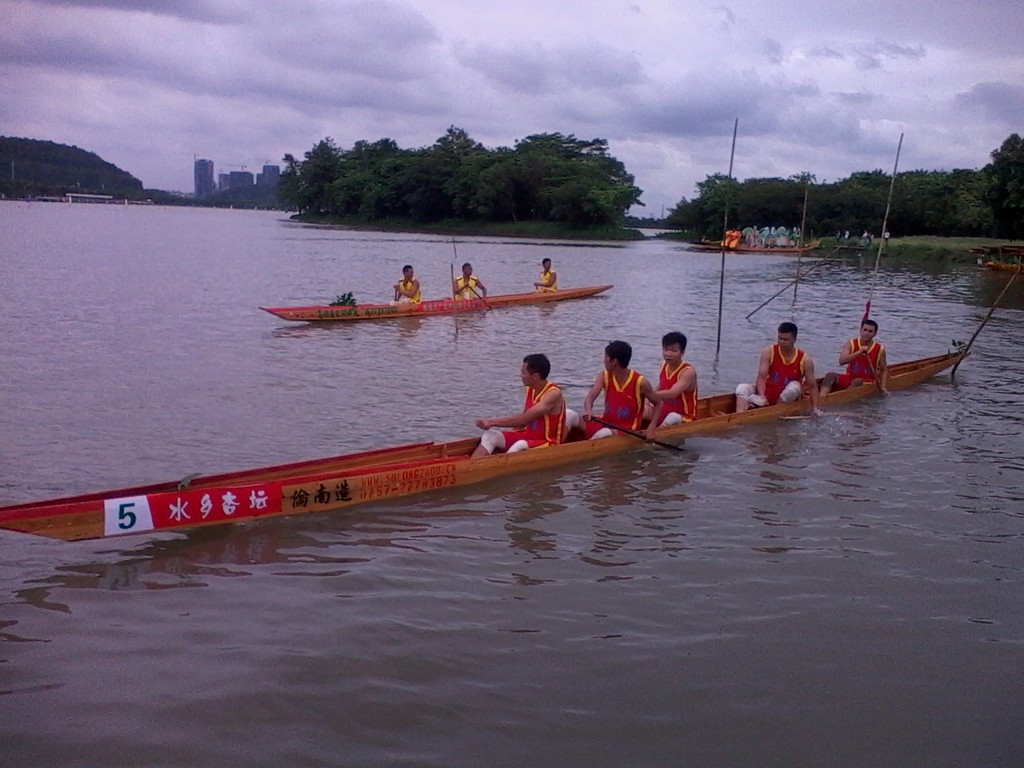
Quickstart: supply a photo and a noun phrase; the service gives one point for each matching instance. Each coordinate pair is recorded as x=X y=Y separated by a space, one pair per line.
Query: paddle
x=477 y=293
x=638 y=435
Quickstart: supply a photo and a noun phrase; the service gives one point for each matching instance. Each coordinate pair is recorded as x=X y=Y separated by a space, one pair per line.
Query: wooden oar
x=999 y=298
x=477 y=293
x=638 y=435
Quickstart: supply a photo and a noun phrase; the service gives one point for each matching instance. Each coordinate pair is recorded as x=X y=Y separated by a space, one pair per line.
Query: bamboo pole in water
x=725 y=228
x=885 y=226
x=800 y=242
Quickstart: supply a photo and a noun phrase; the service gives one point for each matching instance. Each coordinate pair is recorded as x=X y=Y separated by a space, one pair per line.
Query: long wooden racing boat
x=427 y=308
x=339 y=482
x=1003 y=266
x=716 y=245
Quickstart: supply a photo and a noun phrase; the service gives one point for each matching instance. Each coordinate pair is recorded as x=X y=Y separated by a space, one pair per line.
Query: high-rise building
x=204 y=178
x=239 y=179
x=270 y=176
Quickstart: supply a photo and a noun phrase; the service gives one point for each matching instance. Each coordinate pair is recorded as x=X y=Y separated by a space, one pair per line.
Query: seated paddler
x=468 y=286
x=407 y=289
x=785 y=373
x=677 y=385
x=548 y=282
x=542 y=421
x=625 y=393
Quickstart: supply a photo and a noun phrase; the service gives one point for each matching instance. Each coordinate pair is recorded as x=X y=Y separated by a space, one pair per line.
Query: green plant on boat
x=344 y=300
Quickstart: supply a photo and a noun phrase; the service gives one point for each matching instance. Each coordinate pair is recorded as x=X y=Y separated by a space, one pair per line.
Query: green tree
x=308 y=185
x=1005 y=192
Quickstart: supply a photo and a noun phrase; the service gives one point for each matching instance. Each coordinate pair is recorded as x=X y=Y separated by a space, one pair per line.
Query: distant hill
x=33 y=167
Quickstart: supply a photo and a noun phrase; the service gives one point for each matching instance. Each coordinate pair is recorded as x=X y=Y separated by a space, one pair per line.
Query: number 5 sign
x=126 y=515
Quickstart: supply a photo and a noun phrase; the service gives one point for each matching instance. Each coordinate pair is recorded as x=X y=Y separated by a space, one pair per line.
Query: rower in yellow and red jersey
x=864 y=359
x=468 y=286
x=542 y=422
x=677 y=384
x=625 y=391
x=784 y=374
x=548 y=278
x=407 y=289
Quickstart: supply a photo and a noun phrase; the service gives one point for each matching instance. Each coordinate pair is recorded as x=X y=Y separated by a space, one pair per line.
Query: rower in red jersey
x=864 y=359
x=625 y=391
x=677 y=384
x=784 y=373
x=542 y=421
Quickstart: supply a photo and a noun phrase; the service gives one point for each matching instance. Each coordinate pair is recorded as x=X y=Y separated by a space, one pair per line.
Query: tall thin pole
x=885 y=227
x=800 y=242
x=999 y=298
x=725 y=228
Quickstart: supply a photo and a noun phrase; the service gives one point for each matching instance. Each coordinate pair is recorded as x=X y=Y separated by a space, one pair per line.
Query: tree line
x=547 y=177
x=962 y=203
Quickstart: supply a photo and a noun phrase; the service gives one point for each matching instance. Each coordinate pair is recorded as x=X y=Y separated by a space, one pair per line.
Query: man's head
x=868 y=329
x=407 y=272
x=467 y=269
x=787 y=335
x=617 y=352
x=536 y=367
x=673 y=345
x=546 y=265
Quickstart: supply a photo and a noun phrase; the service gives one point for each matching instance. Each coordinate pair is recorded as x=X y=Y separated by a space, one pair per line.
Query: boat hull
x=340 y=482
x=327 y=313
x=1003 y=266
x=717 y=247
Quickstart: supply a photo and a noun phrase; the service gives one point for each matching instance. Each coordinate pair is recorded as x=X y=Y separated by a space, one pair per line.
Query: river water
x=845 y=591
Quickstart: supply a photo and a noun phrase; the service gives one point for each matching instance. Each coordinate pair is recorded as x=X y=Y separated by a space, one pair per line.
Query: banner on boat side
x=160 y=511
x=326 y=495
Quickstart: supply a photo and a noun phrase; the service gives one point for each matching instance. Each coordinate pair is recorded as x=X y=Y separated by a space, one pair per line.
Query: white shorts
x=793 y=391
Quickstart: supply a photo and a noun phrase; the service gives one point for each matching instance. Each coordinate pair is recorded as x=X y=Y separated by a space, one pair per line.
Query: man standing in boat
x=468 y=286
x=784 y=373
x=625 y=391
x=864 y=359
x=548 y=278
x=407 y=289
x=677 y=385
x=542 y=422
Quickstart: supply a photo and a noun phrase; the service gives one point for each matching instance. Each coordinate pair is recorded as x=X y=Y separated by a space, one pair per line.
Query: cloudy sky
x=824 y=86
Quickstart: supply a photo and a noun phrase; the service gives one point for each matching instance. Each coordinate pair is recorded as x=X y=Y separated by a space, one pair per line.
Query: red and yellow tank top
x=544 y=277
x=860 y=367
x=781 y=372
x=623 y=405
x=686 y=404
x=465 y=289
x=551 y=427
x=407 y=286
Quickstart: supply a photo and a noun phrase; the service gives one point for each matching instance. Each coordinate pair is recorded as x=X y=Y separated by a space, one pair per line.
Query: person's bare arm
x=762 y=371
x=595 y=390
x=847 y=355
x=811 y=384
x=547 y=404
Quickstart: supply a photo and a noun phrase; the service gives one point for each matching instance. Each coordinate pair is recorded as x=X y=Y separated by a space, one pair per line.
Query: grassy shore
x=527 y=229
x=923 y=248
